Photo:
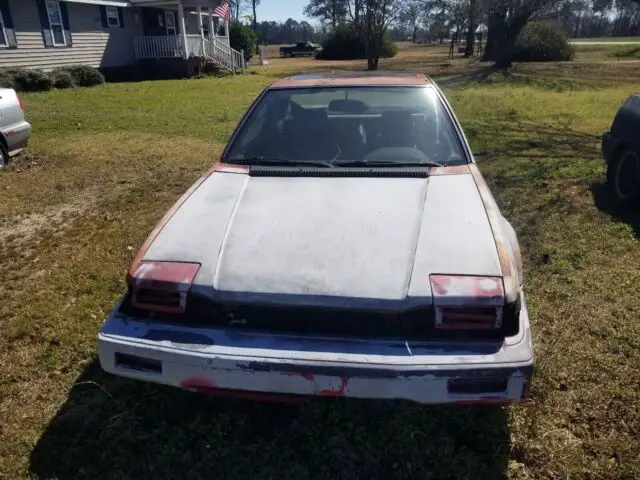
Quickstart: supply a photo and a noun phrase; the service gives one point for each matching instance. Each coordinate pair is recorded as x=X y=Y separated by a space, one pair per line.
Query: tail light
x=474 y=318
x=20 y=102
x=472 y=303
x=162 y=286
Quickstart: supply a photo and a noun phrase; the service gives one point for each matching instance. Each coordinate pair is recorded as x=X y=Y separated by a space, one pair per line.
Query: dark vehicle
x=300 y=49
x=621 y=150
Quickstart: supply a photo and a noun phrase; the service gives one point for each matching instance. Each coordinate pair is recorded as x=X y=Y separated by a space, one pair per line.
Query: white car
x=346 y=244
x=15 y=131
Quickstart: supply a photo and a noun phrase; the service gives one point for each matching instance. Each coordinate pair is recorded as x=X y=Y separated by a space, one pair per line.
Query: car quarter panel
x=455 y=236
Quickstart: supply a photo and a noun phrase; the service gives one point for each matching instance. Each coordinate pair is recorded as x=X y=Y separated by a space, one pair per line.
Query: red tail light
x=462 y=318
x=467 y=302
x=162 y=286
x=20 y=102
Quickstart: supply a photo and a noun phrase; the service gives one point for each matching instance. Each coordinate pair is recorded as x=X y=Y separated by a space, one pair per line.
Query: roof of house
x=350 y=79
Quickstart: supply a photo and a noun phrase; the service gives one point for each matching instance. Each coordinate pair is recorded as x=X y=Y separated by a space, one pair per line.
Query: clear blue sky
x=280 y=10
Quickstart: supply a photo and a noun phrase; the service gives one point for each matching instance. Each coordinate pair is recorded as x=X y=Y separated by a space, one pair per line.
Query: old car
x=15 y=131
x=300 y=49
x=346 y=245
x=621 y=150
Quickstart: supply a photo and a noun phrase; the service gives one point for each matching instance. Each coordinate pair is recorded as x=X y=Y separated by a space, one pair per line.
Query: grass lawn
x=106 y=163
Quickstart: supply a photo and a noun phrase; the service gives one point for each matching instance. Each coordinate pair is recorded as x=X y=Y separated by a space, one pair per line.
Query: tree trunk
x=495 y=35
x=415 y=33
x=255 y=18
x=356 y=13
x=471 y=32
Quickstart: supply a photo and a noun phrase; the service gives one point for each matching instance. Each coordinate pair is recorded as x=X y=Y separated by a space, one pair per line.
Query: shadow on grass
x=116 y=428
x=605 y=201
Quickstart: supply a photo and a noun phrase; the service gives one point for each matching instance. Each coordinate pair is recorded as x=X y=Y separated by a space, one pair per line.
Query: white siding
x=92 y=44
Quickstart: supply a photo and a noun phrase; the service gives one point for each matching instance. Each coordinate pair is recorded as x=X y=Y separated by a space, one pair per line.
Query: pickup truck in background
x=300 y=49
x=15 y=131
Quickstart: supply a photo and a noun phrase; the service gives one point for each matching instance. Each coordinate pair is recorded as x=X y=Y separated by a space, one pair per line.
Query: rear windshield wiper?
x=259 y=160
x=385 y=163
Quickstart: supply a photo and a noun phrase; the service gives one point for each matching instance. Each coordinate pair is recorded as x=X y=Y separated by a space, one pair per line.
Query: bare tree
x=411 y=16
x=254 y=4
x=375 y=17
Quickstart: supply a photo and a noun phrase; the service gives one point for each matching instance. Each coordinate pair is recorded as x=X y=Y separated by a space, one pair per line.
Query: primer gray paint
x=329 y=240
x=456 y=237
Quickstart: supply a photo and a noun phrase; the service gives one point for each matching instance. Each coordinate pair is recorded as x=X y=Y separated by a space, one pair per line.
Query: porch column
x=212 y=31
x=183 y=29
x=200 y=27
x=226 y=30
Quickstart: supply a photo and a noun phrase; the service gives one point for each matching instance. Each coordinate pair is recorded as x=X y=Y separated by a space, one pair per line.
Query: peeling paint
x=339 y=392
x=493 y=214
x=456 y=290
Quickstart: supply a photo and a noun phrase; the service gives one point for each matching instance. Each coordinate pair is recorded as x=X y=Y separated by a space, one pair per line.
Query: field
x=106 y=163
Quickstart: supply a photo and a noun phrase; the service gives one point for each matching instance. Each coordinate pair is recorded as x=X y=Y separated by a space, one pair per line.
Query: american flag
x=223 y=11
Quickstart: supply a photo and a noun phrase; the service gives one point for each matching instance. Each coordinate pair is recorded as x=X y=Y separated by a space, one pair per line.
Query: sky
x=280 y=10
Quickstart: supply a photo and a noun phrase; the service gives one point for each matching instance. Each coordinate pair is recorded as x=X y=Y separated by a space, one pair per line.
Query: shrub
x=62 y=78
x=85 y=76
x=6 y=79
x=242 y=37
x=542 y=42
x=32 y=81
x=344 y=43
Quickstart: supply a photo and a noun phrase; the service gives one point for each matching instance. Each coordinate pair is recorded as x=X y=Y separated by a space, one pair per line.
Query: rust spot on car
x=339 y=392
x=456 y=170
x=511 y=289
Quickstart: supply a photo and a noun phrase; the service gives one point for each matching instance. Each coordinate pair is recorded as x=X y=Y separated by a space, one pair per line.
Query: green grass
x=106 y=163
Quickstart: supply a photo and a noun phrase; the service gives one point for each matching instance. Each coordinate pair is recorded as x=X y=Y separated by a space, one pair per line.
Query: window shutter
x=8 y=24
x=65 y=23
x=103 y=16
x=121 y=17
x=44 y=23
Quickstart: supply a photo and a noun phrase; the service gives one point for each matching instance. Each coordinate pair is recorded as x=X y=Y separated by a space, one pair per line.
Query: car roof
x=352 y=79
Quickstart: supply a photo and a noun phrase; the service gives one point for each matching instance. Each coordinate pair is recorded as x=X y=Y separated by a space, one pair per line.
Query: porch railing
x=169 y=46
x=216 y=49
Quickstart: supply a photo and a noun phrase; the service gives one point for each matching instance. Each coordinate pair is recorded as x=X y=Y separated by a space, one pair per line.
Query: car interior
x=350 y=130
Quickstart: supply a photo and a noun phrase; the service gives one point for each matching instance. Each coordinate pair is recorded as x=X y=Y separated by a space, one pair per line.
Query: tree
x=375 y=17
x=331 y=11
x=237 y=8
x=411 y=16
x=254 y=4
x=507 y=18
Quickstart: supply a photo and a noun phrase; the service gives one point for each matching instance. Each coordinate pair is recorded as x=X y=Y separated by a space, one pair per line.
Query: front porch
x=177 y=31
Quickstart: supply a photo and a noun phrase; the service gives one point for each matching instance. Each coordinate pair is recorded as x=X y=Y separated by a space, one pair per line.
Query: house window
x=170 y=18
x=3 y=33
x=55 y=23
x=113 y=19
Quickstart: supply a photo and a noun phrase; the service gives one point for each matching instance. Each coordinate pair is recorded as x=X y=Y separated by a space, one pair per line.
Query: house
x=155 y=38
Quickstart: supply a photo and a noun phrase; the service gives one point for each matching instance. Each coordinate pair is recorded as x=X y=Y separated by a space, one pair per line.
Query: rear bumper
x=216 y=360
x=17 y=136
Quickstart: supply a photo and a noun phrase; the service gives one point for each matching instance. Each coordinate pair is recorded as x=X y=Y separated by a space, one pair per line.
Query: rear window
x=405 y=125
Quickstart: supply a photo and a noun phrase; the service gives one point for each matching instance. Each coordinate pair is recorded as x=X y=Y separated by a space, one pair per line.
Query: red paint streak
x=306 y=376
x=11 y=133
x=336 y=393
x=197 y=382
x=205 y=386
